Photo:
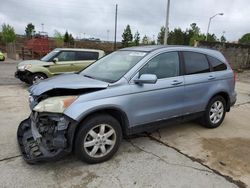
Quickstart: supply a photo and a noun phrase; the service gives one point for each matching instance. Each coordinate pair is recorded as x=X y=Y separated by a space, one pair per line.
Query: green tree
x=153 y=42
x=145 y=40
x=194 y=28
x=66 y=37
x=127 y=37
x=194 y=34
x=58 y=38
x=223 y=39
x=30 y=30
x=71 y=39
x=161 y=34
x=176 y=37
x=245 y=39
x=8 y=33
x=211 y=37
x=137 y=38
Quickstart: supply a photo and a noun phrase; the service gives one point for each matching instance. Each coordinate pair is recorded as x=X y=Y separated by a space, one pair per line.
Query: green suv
x=58 y=61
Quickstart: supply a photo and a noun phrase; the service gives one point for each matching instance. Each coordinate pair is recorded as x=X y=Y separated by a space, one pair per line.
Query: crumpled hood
x=66 y=81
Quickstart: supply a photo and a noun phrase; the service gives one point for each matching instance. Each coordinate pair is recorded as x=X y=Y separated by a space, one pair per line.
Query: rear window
x=195 y=63
x=87 y=55
x=217 y=64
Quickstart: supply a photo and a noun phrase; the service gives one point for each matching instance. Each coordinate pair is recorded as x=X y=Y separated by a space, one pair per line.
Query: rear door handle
x=211 y=77
x=176 y=82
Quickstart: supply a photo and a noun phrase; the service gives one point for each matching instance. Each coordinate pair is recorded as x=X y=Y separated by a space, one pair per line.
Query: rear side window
x=87 y=56
x=217 y=64
x=195 y=63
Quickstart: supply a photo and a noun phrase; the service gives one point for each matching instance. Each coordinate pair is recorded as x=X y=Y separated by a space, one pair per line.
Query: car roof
x=78 y=49
x=151 y=48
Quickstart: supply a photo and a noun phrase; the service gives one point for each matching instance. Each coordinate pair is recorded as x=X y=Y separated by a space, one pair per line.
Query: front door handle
x=176 y=82
x=211 y=77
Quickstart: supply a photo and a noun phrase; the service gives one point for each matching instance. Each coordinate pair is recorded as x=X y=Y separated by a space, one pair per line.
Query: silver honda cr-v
x=129 y=91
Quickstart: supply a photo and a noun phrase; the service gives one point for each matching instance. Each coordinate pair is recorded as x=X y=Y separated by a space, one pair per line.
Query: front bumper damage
x=23 y=75
x=45 y=136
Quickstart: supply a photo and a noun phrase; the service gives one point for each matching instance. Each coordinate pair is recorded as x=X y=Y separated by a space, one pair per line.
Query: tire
x=215 y=112
x=89 y=146
x=36 y=77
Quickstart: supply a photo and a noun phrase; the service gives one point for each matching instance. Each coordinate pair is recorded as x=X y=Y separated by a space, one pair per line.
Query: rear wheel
x=37 y=77
x=98 y=139
x=215 y=112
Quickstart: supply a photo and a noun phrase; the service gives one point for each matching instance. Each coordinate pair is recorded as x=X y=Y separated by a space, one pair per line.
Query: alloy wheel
x=100 y=140
x=37 y=79
x=216 y=112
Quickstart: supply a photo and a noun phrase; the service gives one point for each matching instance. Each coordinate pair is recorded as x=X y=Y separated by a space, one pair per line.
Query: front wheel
x=37 y=77
x=215 y=112
x=98 y=139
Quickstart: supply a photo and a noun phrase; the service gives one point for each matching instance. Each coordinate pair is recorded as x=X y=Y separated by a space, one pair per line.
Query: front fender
x=78 y=111
x=36 y=69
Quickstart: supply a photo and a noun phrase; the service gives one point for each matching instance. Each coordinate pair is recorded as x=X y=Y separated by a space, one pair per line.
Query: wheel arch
x=225 y=95
x=116 y=113
x=40 y=73
x=41 y=70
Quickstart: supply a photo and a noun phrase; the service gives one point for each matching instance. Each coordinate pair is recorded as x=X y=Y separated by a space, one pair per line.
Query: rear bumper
x=45 y=142
x=23 y=75
x=233 y=99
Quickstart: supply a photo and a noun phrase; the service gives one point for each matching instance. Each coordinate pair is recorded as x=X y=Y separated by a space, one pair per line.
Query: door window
x=87 y=56
x=217 y=64
x=66 y=56
x=195 y=63
x=164 y=65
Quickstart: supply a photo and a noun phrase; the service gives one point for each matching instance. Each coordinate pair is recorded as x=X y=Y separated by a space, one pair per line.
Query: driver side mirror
x=146 y=79
x=55 y=60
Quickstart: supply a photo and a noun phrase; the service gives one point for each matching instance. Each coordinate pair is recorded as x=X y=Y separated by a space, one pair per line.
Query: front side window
x=195 y=63
x=66 y=56
x=163 y=66
x=87 y=56
x=217 y=64
x=113 y=66
x=50 y=55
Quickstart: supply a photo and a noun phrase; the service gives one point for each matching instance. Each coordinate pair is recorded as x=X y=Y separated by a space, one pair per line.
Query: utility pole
x=108 y=35
x=167 y=23
x=116 y=7
x=42 y=26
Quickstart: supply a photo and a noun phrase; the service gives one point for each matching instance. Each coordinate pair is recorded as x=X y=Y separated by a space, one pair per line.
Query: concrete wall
x=238 y=55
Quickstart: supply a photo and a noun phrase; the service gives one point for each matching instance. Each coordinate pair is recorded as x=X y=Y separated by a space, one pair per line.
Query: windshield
x=49 y=56
x=113 y=66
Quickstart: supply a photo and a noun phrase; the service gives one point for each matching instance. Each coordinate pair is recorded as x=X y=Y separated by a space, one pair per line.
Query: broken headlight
x=55 y=104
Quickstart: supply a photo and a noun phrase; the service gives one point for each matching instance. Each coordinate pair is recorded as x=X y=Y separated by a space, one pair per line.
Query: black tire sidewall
x=207 y=120
x=88 y=124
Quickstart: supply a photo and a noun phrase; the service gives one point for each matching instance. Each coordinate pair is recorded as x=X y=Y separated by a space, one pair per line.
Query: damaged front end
x=48 y=133
x=45 y=136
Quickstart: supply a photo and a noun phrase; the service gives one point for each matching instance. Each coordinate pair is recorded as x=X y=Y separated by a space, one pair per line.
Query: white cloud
x=95 y=17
